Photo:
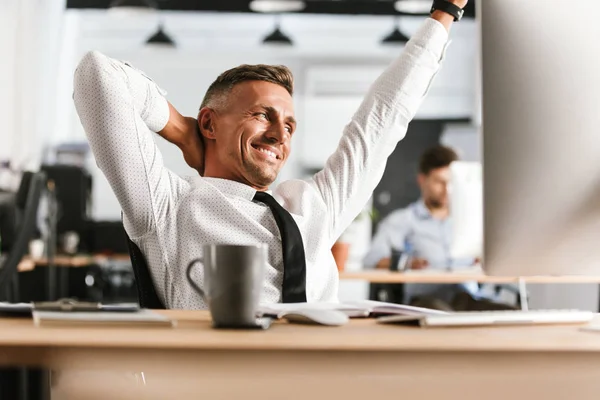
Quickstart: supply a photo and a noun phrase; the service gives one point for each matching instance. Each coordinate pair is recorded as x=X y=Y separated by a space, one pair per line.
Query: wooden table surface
x=194 y=331
x=376 y=276
x=299 y=362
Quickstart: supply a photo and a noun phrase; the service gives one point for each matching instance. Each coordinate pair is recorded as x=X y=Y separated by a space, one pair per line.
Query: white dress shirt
x=170 y=217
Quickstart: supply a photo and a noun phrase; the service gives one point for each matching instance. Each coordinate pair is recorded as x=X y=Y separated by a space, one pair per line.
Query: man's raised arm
x=354 y=170
x=120 y=108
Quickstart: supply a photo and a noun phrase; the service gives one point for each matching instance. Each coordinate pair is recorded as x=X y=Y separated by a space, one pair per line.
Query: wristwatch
x=448 y=7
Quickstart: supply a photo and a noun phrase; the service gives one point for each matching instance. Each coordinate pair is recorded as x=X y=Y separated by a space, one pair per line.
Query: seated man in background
x=423 y=231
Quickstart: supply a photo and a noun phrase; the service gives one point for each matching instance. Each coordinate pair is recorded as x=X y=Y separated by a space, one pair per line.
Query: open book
x=354 y=309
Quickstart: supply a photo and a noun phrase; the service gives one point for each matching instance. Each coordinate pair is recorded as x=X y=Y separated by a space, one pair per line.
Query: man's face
x=434 y=187
x=253 y=132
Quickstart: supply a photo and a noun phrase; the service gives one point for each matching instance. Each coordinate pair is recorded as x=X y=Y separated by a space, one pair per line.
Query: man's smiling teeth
x=268 y=152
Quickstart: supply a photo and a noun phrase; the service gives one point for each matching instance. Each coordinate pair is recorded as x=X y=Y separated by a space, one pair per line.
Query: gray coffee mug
x=233 y=281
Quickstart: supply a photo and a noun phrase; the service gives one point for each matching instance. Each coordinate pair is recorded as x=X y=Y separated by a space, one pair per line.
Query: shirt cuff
x=159 y=116
x=433 y=35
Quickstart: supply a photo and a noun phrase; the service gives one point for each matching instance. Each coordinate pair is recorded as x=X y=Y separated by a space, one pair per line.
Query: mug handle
x=191 y=281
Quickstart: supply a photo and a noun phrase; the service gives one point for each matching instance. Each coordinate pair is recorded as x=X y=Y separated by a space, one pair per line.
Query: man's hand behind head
x=192 y=146
x=184 y=133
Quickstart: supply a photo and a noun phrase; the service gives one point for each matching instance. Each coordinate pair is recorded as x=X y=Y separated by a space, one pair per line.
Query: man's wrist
x=445 y=17
x=174 y=130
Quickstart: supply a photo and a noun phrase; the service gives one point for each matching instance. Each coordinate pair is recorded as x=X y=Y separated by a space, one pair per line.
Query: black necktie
x=294 y=262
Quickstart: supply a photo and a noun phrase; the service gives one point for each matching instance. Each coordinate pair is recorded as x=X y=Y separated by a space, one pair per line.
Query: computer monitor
x=541 y=137
x=466 y=209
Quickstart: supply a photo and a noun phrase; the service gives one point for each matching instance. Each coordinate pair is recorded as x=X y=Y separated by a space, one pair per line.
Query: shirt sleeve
x=391 y=233
x=120 y=109
x=353 y=171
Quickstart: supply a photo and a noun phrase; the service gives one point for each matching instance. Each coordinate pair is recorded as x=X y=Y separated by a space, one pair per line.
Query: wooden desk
x=359 y=361
x=28 y=263
x=457 y=277
x=57 y=276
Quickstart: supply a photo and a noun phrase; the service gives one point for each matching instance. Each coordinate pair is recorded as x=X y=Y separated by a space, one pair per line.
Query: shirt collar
x=421 y=210
x=228 y=187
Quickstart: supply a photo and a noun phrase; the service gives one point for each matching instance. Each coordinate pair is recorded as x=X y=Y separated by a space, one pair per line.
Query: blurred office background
x=335 y=49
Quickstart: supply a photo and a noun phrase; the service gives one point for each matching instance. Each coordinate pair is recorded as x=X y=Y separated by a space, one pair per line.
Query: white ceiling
x=312 y=34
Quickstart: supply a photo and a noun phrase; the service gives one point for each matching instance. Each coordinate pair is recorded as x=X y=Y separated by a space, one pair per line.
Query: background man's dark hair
x=277 y=74
x=436 y=157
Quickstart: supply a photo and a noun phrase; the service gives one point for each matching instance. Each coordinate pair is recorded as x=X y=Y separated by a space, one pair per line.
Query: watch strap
x=448 y=7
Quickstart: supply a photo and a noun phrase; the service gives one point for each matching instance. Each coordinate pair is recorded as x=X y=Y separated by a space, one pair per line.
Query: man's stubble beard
x=259 y=176
x=437 y=204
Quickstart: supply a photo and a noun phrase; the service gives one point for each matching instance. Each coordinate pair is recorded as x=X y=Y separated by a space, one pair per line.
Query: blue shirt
x=415 y=231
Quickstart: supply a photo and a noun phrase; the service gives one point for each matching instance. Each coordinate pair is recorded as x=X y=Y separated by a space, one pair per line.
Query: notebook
x=380 y=308
x=354 y=309
x=141 y=318
x=492 y=318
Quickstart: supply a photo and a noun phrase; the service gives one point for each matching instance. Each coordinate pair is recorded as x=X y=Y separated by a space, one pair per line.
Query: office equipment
x=466 y=209
x=492 y=318
x=15 y=309
x=108 y=237
x=71 y=305
x=9 y=268
x=73 y=196
x=141 y=318
x=116 y=281
x=541 y=169
x=64 y=305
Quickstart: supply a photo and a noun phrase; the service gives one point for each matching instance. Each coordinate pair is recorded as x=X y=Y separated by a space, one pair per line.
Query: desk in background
x=359 y=361
x=380 y=276
x=466 y=275
x=81 y=276
x=75 y=261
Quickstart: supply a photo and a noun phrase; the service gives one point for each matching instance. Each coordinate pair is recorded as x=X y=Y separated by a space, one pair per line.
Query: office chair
x=147 y=296
x=8 y=220
x=29 y=195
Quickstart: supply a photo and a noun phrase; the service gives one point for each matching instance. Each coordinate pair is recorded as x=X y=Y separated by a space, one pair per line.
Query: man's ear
x=206 y=122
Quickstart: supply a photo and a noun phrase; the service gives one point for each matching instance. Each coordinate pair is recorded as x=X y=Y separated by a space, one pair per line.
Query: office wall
x=30 y=32
x=8 y=26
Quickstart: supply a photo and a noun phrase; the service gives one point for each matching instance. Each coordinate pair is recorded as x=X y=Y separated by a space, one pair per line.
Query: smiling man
x=253 y=104
x=239 y=142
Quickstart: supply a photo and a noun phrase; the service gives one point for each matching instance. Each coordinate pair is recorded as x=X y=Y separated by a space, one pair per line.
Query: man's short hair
x=436 y=157
x=277 y=74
